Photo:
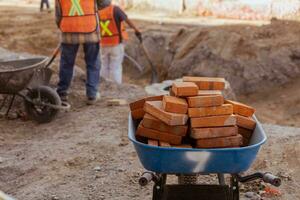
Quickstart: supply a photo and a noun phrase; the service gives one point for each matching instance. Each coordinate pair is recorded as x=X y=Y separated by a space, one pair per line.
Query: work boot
x=63 y=97
x=93 y=100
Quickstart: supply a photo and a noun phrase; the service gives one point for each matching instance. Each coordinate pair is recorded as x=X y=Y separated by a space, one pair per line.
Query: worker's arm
x=58 y=14
x=131 y=24
x=136 y=30
x=121 y=16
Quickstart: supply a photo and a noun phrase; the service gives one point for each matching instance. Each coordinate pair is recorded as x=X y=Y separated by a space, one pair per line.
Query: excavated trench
x=251 y=58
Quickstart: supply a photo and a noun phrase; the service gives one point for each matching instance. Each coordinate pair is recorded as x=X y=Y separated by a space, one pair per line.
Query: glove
x=139 y=36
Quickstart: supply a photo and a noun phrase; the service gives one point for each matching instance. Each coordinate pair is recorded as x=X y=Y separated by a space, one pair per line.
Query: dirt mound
x=250 y=58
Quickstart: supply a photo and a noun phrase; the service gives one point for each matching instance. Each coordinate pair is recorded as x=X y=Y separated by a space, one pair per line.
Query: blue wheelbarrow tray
x=170 y=160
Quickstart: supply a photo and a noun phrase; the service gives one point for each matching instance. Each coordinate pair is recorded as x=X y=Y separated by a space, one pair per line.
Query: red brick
x=141 y=139
x=225 y=109
x=205 y=101
x=164 y=144
x=204 y=133
x=246 y=142
x=140 y=103
x=153 y=142
x=155 y=109
x=186 y=146
x=182 y=89
x=207 y=83
x=209 y=92
x=172 y=94
x=156 y=135
x=154 y=123
x=175 y=105
x=138 y=114
x=241 y=109
x=245 y=122
x=215 y=121
x=245 y=132
x=224 y=142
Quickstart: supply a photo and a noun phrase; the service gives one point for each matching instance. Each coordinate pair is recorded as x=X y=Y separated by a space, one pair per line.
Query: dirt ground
x=85 y=153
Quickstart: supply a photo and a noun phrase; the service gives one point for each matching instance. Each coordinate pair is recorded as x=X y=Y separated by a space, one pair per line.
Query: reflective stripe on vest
x=104 y=28
x=110 y=34
x=78 y=16
x=76 y=8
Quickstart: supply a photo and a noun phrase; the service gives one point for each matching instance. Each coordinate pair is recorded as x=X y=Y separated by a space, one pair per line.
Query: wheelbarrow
x=29 y=79
x=189 y=164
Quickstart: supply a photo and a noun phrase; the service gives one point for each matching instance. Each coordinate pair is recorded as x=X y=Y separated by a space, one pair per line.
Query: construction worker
x=79 y=24
x=113 y=36
x=42 y=5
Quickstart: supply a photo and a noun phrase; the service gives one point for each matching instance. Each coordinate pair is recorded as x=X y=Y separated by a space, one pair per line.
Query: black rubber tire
x=44 y=114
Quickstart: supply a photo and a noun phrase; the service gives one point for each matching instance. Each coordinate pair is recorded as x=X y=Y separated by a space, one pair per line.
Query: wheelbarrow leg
x=10 y=104
x=235 y=188
x=159 y=187
x=3 y=102
x=221 y=179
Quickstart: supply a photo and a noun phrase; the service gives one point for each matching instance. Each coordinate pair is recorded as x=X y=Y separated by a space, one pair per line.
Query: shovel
x=47 y=71
x=154 y=76
x=43 y=75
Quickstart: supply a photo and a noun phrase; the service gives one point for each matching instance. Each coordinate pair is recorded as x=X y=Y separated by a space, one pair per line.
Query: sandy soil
x=85 y=154
x=278 y=105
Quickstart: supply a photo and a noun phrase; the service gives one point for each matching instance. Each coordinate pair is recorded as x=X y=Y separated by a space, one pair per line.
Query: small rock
x=54 y=197
x=252 y=196
x=97 y=169
x=121 y=170
x=281 y=175
x=117 y=102
x=97 y=176
x=12 y=116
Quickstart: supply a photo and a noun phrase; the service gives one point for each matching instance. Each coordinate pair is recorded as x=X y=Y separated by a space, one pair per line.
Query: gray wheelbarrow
x=29 y=79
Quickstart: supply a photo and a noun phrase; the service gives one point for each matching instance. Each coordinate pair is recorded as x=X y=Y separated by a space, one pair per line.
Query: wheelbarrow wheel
x=42 y=113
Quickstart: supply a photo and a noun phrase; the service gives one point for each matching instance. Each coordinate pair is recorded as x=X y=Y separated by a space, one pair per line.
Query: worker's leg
x=47 y=3
x=42 y=5
x=116 y=63
x=67 y=61
x=105 y=60
x=92 y=60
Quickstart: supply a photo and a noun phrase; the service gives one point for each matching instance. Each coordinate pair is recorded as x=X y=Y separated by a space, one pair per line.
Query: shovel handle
x=54 y=55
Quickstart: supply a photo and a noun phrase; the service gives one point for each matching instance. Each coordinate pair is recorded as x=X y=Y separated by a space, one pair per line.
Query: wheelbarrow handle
x=146 y=178
x=273 y=180
x=266 y=177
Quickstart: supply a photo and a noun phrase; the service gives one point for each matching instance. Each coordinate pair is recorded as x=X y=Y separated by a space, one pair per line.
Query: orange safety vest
x=78 y=16
x=110 y=34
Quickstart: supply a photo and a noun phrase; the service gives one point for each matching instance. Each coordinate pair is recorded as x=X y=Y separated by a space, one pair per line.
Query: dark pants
x=44 y=2
x=67 y=61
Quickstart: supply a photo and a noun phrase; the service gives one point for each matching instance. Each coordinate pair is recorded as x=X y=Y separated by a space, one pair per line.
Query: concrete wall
x=235 y=9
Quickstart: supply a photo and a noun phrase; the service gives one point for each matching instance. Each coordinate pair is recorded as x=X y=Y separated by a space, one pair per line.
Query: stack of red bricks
x=197 y=105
